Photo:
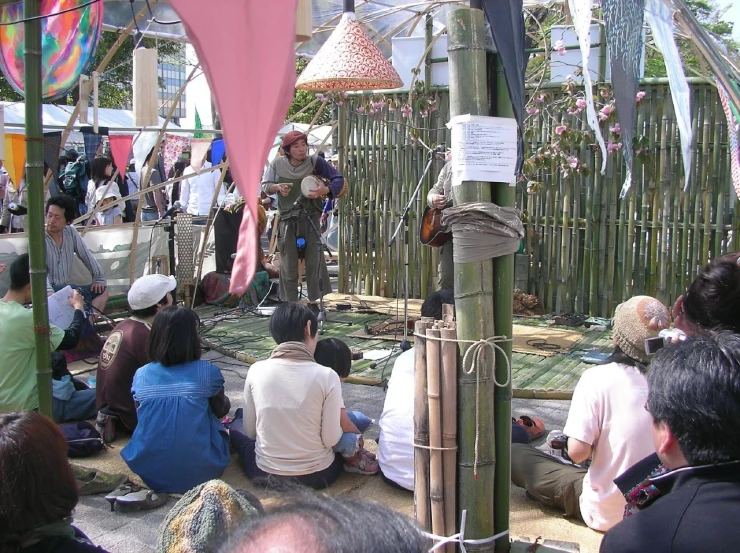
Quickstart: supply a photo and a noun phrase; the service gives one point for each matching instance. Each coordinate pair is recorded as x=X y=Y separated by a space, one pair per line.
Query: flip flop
x=535 y=427
x=142 y=500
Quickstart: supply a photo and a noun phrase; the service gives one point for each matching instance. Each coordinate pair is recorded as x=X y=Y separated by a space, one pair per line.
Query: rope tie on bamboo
x=460 y=537
x=475 y=353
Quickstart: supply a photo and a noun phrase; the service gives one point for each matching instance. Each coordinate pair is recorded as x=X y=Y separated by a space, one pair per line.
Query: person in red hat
x=295 y=234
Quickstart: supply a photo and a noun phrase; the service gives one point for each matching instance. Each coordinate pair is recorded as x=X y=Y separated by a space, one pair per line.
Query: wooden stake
x=436 y=483
x=449 y=426
x=421 y=427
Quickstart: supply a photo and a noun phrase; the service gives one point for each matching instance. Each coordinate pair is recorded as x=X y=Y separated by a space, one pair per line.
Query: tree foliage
x=115 y=82
x=302 y=98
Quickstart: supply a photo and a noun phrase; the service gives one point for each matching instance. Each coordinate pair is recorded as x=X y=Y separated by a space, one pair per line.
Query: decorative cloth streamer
x=174 y=145
x=52 y=147
x=252 y=93
x=660 y=18
x=506 y=20
x=141 y=148
x=218 y=149
x=732 y=129
x=483 y=231
x=92 y=140
x=68 y=43
x=623 y=22
x=120 y=150
x=198 y=150
x=580 y=11
x=15 y=156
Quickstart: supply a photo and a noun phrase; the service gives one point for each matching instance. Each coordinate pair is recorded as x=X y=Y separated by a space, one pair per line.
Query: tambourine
x=309 y=184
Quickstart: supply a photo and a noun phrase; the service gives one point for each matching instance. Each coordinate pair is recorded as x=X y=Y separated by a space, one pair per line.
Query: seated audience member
x=712 y=301
x=336 y=355
x=323 y=523
x=396 y=441
x=607 y=422
x=18 y=382
x=292 y=407
x=125 y=351
x=203 y=518
x=36 y=504
x=694 y=404
x=63 y=242
x=179 y=441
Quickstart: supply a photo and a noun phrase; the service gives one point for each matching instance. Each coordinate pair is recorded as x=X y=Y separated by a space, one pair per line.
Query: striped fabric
x=59 y=259
x=732 y=132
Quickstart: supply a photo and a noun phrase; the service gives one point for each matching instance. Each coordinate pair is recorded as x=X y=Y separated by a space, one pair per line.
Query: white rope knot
x=460 y=537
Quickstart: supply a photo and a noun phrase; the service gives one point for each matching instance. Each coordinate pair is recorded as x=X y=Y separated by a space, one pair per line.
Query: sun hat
x=636 y=320
x=149 y=290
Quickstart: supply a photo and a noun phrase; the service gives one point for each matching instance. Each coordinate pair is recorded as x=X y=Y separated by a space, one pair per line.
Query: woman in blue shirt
x=179 y=441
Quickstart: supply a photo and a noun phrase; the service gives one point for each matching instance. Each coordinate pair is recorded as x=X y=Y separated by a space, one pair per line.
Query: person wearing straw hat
x=283 y=177
x=109 y=212
x=607 y=422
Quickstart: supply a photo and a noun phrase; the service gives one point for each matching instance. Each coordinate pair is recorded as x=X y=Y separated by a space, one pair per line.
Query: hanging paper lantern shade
x=349 y=60
x=68 y=43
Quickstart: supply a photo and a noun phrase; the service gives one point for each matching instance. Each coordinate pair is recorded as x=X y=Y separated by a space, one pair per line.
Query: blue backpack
x=82 y=439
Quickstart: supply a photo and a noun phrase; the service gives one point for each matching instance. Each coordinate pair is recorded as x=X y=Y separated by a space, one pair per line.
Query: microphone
x=177 y=206
x=298 y=200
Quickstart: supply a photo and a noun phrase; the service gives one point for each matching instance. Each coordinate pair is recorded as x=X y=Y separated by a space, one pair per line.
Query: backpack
x=74 y=178
x=82 y=439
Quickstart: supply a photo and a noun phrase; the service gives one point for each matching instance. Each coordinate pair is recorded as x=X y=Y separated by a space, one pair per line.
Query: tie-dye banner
x=174 y=146
x=660 y=18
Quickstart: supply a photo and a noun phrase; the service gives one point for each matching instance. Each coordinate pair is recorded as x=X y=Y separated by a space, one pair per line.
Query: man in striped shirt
x=62 y=243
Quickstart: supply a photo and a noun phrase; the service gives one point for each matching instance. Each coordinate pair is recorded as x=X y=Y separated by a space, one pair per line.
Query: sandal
x=120 y=491
x=535 y=427
x=140 y=500
x=360 y=464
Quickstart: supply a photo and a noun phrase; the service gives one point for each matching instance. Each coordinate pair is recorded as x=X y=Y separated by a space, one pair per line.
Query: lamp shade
x=145 y=87
x=349 y=60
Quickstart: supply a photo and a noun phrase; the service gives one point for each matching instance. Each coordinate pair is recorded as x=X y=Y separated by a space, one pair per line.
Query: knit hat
x=204 y=517
x=636 y=320
x=292 y=137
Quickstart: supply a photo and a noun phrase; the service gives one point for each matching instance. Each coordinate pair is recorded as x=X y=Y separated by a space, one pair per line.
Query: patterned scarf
x=295 y=351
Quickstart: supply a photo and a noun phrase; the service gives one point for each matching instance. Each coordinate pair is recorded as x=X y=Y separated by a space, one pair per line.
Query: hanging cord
x=475 y=353
x=81 y=6
x=460 y=537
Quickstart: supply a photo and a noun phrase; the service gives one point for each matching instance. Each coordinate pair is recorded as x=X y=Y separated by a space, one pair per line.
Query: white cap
x=150 y=289
x=100 y=191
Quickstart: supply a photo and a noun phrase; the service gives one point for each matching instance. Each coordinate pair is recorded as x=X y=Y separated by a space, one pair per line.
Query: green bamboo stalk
x=342 y=241
x=473 y=291
x=35 y=180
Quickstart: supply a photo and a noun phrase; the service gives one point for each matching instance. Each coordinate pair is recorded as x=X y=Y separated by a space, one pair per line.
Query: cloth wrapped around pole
x=482 y=231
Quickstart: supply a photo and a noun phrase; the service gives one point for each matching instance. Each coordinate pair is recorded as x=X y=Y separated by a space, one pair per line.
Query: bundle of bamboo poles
x=435 y=424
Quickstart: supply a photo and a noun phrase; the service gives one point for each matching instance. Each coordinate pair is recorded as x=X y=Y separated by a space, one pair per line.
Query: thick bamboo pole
x=503 y=311
x=35 y=179
x=436 y=479
x=473 y=293
x=449 y=425
x=422 y=510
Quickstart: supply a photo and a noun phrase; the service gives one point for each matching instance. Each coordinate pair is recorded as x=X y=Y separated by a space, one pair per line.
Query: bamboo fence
x=587 y=250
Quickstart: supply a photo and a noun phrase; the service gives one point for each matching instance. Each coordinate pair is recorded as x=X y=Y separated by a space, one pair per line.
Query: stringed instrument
x=431 y=231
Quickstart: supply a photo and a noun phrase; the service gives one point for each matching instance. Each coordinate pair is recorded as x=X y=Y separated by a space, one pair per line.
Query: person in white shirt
x=292 y=408
x=607 y=422
x=197 y=190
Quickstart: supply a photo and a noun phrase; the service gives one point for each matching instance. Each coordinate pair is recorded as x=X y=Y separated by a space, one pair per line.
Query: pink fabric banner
x=198 y=150
x=173 y=148
x=252 y=91
x=120 y=149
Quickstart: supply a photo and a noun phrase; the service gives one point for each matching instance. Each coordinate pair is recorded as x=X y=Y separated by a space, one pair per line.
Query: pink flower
x=605 y=112
x=640 y=96
x=581 y=104
x=616 y=129
x=565 y=172
x=320 y=97
x=372 y=111
x=533 y=110
x=613 y=146
x=361 y=109
x=573 y=162
x=560 y=47
x=340 y=104
x=541 y=98
x=560 y=129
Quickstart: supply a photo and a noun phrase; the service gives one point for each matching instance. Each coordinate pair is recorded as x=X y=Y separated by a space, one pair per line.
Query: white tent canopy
x=319 y=138
x=56 y=117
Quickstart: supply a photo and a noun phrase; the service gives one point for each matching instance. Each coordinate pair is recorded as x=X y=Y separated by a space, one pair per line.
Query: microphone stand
x=405 y=344
x=320 y=246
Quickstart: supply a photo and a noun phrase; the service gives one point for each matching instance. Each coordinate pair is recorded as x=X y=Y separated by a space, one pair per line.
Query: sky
x=733 y=15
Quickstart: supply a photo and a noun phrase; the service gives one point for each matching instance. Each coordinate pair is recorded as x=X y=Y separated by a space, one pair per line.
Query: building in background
x=173 y=74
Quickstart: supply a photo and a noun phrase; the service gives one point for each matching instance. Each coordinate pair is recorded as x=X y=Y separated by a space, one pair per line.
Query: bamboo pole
x=436 y=481
x=422 y=508
x=473 y=292
x=449 y=426
x=35 y=179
